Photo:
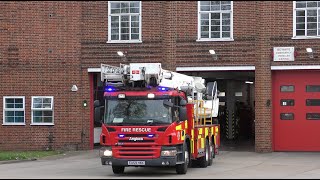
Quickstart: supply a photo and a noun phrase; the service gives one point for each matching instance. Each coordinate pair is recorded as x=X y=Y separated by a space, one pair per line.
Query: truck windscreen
x=137 y=112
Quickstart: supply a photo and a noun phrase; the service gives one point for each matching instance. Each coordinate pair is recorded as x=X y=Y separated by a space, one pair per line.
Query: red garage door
x=296 y=110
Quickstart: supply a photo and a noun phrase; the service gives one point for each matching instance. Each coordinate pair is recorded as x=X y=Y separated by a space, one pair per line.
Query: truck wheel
x=118 y=169
x=183 y=168
x=211 y=155
x=203 y=161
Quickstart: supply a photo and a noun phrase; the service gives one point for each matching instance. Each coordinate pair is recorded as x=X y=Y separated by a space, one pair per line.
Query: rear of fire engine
x=151 y=119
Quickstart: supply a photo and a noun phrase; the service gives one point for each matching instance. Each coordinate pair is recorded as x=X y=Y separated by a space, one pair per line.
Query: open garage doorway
x=236 y=109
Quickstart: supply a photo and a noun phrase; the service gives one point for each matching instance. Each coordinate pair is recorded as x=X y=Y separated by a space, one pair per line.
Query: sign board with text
x=283 y=53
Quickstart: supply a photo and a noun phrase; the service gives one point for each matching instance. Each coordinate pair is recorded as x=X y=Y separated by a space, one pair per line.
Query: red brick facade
x=46 y=47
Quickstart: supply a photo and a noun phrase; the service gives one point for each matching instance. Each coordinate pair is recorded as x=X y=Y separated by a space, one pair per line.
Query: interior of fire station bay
x=236 y=107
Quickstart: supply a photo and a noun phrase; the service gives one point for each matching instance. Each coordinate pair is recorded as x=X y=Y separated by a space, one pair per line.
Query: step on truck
x=157 y=118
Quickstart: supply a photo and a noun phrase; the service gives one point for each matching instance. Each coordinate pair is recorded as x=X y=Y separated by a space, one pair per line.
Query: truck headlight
x=105 y=152
x=169 y=153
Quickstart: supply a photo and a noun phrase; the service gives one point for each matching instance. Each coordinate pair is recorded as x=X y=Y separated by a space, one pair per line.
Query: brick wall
x=46 y=47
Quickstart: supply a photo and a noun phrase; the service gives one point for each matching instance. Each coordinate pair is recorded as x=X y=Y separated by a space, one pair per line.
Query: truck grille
x=142 y=147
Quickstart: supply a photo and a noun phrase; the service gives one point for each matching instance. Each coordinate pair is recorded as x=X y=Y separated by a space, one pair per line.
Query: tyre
x=118 y=169
x=203 y=161
x=212 y=154
x=183 y=168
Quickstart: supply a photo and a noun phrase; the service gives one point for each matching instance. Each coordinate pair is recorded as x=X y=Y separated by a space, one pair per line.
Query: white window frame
x=14 y=109
x=109 y=25
x=51 y=109
x=216 y=39
x=294 y=24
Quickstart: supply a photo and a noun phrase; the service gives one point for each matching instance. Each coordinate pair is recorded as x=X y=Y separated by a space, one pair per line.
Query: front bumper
x=162 y=161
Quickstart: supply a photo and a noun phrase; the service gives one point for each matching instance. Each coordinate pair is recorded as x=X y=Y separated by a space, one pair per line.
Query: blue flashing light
x=150 y=135
x=163 y=88
x=110 y=89
x=121 y=135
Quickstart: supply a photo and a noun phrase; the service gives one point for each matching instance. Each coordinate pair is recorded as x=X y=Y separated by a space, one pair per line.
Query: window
x=42 y=110
x=13 y=110
x=124 y=21
x=215 y=20
x=313 y=102
x=306 y=19
x=313 y=88
x=286 y=116
x=313 y=116
x=286 y=102
x=288 y=88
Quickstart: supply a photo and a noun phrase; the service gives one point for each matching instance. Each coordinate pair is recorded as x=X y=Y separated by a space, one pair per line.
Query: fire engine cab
x=157 y=118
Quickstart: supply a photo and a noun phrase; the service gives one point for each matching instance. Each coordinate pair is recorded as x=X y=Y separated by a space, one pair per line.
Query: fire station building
x=263 y=54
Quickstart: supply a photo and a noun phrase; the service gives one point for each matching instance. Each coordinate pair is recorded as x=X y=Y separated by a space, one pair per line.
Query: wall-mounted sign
x=283 y=53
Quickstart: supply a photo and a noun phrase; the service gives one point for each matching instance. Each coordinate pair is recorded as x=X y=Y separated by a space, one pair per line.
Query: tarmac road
x=228 y=164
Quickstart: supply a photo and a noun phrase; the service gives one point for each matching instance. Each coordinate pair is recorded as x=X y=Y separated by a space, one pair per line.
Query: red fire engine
x=155 y=117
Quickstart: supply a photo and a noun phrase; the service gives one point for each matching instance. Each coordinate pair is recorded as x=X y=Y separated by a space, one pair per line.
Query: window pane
x=204 y=28
x=37 y=119
x=205 y=22
x=215 y=34
x=204 y=34
x=115 y=11
x=9 y=105
x=9 y=113
x=124 y=24
x=286 y=102
x=286 y=116
x=124 y=7
x=215 y=22
x=301 y=4
x=287 y=88
x=37 y=105
x=313 y=102
x=47 y=120
x=135 y=4
x=134 y=30
x=300 y=13
x=311 y=12
x=225 y=28
x=311 y=19
x=19 y=113
x=18 y=106
x=47 y=105
x=114 y=37
x=204 y=2
x=226 y=22
x=124 y=18
x=215 y=28
x=225 y=15
x=215 y=16
x=300 y=26
x=300 y=20
x=226 y=7
x=225 y=34
x=134 y=36
x=135 y=18
x=114 y=31
x=124 y=36
x=9 y=119
x=18 y=100
x=134 y=10
x=9 y=100
x=226 y=2
x=37 y=113
x=215 y=8
x=311 y=32
x=124 y=30
x=313 y=116
x=204 y=16
x=134 y=24
x=312 y=25
x=47 y=113
x=311 y=3
x=215 y=3
x=204 y=8
x=46 y=100
x=300 y=32
x=19 y=119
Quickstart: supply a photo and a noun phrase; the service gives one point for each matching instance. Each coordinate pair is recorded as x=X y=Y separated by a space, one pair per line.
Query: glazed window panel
x=313 y=88
x=124 y=21
x=287 y=88
x=286 y=116
x=313 y=116
x=313 y=102
x=215 y=20
x=307 y=18
x=14 y=110
x=287 y=102
x=42 y=110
